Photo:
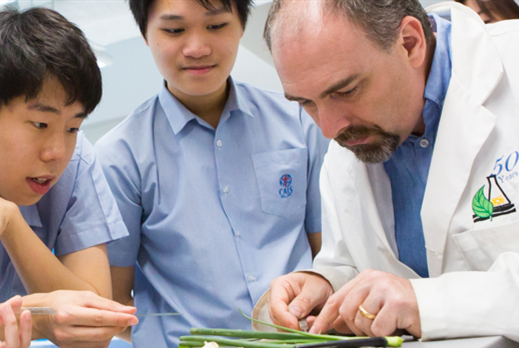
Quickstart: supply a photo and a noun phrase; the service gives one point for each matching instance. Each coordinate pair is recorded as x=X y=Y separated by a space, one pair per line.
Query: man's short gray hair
x=379 y=19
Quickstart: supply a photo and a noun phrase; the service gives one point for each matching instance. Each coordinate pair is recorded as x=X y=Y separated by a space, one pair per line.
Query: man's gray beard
x=377 y=152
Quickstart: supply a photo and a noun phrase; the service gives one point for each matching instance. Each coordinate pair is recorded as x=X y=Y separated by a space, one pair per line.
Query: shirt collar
x=31 y=215
x=178 y=115
x=237 y=100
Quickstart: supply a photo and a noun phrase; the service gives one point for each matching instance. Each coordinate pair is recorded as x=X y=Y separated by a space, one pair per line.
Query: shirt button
x=424 y=143
x=237 y=234
x=219 y=143
x=251 y=278
x=226 y=189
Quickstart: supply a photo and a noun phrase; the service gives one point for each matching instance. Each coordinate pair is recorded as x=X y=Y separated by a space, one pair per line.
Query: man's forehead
x=294 y=18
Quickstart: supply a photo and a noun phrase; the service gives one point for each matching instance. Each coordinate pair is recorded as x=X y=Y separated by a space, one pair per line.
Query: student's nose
x=197 y=46
x=54 y=149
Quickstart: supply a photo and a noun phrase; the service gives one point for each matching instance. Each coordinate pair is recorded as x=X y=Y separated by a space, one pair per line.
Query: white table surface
x=477 y=342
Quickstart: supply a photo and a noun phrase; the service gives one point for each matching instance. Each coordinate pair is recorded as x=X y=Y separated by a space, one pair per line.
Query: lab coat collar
x=480 y=72
x=31 y=215
x=465 y=123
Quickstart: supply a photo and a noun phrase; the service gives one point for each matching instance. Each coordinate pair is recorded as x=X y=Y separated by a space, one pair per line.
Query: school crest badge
x=286 y=186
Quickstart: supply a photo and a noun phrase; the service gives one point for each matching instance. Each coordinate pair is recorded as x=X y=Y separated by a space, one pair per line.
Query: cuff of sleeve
x=69 y=243
x=334 y=275
x=430 y=306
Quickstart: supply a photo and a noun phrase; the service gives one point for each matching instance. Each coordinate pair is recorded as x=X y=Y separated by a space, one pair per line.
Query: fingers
x=364 y=322
x=25 y=329
x=94 y=301
x=15 y=303
x=81 y=335
x=82 y=316
x=294 y=296
x=12 y=339
x=388 y=301
x=350 y=312
x=282 y=291
x=330 y=312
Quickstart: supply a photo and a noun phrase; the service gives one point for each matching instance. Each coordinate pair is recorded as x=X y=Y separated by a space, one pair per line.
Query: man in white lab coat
x=420 y=188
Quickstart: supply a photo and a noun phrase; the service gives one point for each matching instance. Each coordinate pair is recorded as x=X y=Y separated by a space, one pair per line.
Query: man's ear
x=413 y=40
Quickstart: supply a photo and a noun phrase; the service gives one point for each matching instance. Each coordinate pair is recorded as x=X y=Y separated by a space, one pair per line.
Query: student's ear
x=412 y=38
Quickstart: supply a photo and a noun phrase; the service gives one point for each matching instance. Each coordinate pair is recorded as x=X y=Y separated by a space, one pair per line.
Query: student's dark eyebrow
x=209 y=13
x=47 y=108
x=339 y=85
x=44 y=108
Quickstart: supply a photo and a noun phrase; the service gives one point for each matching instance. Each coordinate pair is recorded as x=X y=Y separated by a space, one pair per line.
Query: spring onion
x=289 y=339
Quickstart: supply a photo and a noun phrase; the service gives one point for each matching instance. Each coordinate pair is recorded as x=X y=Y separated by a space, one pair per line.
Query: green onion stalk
x=289 y=339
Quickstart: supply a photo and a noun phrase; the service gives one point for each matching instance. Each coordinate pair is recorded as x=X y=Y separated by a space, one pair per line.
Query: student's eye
x=217 y=26
x=73 y=130
x=175 y=31
x=40 y=125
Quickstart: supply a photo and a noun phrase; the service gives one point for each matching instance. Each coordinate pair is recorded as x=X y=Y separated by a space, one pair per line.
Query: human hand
x=294 y=296
x=390 y=298
x=83 y=319
x=15 y=337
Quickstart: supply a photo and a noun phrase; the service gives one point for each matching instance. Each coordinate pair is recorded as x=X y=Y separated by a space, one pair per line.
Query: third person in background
x=492 y=11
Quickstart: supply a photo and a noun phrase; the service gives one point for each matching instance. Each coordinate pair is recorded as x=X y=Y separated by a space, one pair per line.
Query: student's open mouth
x=40 y=185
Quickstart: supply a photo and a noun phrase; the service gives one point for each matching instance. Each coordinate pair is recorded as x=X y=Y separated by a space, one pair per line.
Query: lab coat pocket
x=481 y=248
x=282 y=179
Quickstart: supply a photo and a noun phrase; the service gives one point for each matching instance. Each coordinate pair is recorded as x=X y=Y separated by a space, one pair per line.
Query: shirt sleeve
x=92 y=216
x=317 y=147
x=122 y=174
x=466 y=304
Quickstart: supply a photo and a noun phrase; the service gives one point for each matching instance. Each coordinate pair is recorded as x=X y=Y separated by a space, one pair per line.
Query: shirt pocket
x=481 y=248
x=282 y=179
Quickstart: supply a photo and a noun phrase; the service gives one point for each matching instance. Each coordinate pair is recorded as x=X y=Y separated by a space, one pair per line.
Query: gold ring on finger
x=366 y=314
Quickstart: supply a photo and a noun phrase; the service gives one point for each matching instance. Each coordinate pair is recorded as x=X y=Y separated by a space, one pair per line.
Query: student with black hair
x=217 y=180
x=56 y=209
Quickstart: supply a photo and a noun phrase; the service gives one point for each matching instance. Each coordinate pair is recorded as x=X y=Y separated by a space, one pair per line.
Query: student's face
x=37 y=140
x=368 y=99
x=194 y=48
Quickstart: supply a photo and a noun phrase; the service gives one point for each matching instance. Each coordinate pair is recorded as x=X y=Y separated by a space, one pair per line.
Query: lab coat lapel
x=376 y=194
x=464 y=127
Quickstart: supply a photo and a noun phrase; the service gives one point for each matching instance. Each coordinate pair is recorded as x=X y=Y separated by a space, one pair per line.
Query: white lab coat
x=473 y=289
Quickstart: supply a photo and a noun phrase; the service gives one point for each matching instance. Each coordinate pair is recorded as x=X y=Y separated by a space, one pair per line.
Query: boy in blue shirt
x=217 y=180
x=53 y=195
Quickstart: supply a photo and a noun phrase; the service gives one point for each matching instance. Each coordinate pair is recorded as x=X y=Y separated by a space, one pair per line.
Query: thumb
x=313 y=295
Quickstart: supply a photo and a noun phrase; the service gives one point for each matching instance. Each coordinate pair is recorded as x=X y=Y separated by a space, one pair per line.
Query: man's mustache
x=353 y=133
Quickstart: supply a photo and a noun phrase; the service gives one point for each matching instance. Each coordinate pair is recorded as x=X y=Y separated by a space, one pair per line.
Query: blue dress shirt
x=78 y=212
x=408 y=168
x=214 y=214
